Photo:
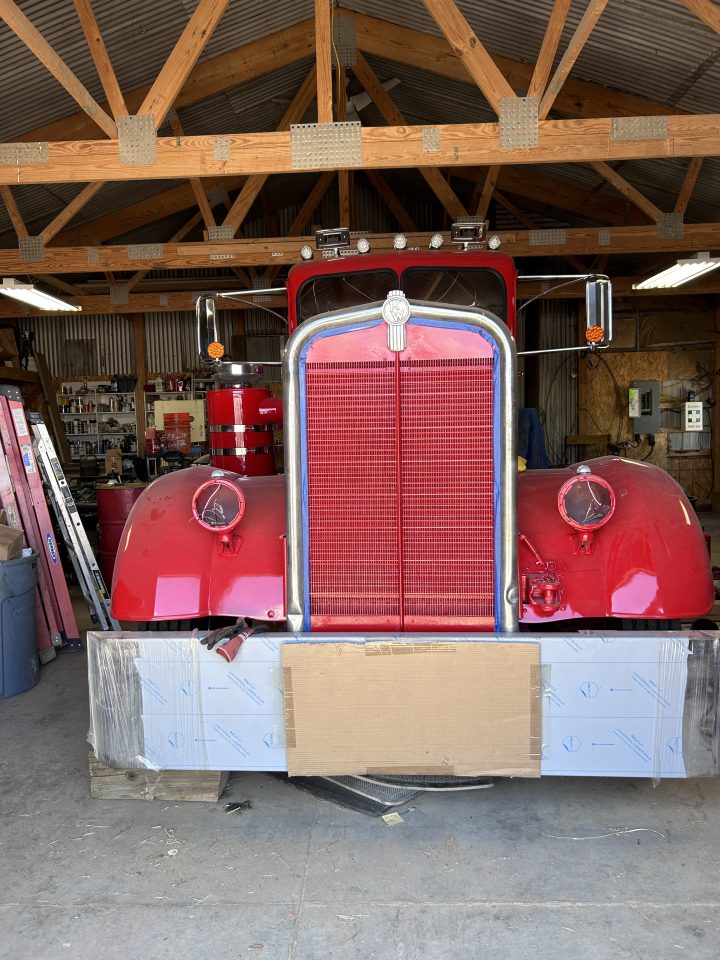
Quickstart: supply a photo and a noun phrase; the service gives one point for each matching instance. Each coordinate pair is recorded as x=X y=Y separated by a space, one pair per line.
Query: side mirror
x=207 y=331
x=598 y=311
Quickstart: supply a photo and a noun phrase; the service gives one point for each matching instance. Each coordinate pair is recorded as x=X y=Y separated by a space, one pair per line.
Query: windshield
x=478 y=287
x=339 y=290
x=467 y=288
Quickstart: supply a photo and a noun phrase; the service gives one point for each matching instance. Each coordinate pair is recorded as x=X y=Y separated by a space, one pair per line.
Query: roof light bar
x=681 y=272
x=29 y=294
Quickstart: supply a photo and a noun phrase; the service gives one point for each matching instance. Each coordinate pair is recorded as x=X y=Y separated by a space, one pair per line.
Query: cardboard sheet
x=451 y=709
x=11 y=543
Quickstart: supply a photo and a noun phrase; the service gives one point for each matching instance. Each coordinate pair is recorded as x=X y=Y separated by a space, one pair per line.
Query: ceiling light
x=29 y=294
x=681 y=272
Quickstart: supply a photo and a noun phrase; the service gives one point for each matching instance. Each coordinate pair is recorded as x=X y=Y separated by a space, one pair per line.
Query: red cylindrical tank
x=115 y=501
x=240 y=425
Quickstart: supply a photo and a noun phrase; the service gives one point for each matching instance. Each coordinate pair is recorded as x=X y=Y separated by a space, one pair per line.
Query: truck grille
x=400 y=482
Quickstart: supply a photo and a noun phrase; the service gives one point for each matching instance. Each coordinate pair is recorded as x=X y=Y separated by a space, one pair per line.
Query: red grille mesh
x=447 y=487
x=352 y=490
x=446 y=551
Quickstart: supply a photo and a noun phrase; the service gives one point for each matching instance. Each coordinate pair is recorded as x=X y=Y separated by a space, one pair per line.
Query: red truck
x=401 y=507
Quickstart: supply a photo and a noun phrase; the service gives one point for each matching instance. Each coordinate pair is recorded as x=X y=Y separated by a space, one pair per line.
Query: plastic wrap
x=612 y=704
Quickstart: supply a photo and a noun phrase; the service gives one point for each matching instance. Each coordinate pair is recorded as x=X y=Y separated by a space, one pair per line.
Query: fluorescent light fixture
x=681 y=272
x=27 y=293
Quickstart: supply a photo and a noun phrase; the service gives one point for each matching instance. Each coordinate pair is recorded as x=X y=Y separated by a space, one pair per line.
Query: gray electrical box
x=644 y=406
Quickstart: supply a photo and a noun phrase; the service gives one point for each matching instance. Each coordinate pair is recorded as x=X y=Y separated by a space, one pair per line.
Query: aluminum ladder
x=86 y=567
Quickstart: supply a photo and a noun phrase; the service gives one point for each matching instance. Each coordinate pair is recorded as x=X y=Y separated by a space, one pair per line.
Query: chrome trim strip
x=359 y=317
x=237 y=428
x=238 y=451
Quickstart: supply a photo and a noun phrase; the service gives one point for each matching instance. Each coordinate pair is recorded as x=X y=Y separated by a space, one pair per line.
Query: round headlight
x=218 y=504
x=399 y=241
x=494 y=242
x=586 y=502
x=306 y=252
x=436 y=241
x=363 y=245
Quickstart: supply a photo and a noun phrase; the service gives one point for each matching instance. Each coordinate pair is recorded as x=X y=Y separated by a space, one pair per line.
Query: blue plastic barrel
x=18 y=635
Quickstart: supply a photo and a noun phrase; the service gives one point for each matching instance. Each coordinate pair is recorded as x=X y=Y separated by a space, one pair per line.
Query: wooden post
x=323 y=59
x=141 y=374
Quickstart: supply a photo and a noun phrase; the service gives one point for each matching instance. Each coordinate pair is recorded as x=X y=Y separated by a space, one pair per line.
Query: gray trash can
x=18 y=632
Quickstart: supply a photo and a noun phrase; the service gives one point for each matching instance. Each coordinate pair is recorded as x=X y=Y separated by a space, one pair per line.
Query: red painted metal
x=648 y=562
x=398 y=262
x=425 y=473
x=169 y=567
x=240 y=418
x=114 y=505
x=390 y=471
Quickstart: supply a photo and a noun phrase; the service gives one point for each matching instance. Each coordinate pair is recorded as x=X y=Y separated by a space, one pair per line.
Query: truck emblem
x=396 y=313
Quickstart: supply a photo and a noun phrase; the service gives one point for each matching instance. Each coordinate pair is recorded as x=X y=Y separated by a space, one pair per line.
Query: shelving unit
x=197 y=391
x=97 y=421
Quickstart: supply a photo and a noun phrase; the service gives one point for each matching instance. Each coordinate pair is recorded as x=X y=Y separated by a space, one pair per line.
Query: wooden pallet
x=109 y=784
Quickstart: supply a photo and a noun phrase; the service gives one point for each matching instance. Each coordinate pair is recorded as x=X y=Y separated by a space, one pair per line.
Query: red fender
x=648 y=562
x=170 y=568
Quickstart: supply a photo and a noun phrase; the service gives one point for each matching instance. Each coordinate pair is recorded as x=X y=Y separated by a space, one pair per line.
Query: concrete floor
x=556 y=869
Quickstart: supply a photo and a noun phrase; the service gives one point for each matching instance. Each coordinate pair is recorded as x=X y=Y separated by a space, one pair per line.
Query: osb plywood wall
x=608 y=377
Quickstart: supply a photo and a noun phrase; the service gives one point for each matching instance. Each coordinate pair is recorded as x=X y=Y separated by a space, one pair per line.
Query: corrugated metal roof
x=658 y=50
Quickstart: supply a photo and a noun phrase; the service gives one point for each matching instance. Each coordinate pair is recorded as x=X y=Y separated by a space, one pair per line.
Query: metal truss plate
x=145 y=251
x=221 y=148
x=163 y=300
x=519 y=128
x=431 y=138
x=32 y=249
x=540 y=238
x=638 y=128
x=93 y=255
x=137 y=140
x=19 y=154
x=224 y=231
x=670 y=226
x=604 y=238
x=317 y=146
x=344 y=45
x=119 y=294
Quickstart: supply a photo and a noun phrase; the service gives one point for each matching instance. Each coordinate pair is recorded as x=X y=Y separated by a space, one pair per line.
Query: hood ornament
x=396 y=313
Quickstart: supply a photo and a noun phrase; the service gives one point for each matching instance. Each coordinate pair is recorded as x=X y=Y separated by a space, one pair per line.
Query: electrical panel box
x=644 y=406
x=693 y=415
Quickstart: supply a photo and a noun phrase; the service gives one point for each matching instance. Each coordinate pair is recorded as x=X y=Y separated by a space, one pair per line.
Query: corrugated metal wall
x=558 y=374
x=77 y=346
x=106 y=343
